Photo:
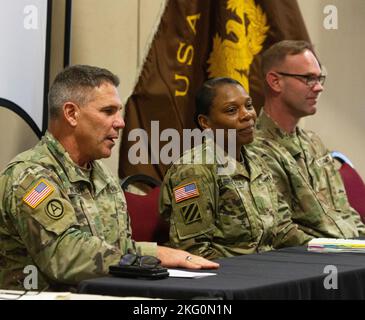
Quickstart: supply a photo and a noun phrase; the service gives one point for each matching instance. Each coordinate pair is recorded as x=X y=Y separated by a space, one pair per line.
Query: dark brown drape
x=196 y=40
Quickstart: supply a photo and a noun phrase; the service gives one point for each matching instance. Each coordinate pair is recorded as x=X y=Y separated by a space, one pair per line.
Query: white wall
x=340 y=119
x=113 y=34
x=15 y=134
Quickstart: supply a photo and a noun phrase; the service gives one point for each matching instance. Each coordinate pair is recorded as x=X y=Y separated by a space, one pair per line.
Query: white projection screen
x=24 y=59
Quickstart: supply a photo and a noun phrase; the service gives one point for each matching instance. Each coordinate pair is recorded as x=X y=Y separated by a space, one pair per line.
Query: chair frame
x=150 y=181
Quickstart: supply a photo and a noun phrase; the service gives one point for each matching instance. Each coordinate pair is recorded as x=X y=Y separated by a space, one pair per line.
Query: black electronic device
x=138 y=272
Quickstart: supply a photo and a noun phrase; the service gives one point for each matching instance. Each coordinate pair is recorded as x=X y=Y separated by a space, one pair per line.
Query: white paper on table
x=173 y=273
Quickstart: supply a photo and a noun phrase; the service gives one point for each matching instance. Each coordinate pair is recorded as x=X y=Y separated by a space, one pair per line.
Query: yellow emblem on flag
x=38 y=193
x=233 y=58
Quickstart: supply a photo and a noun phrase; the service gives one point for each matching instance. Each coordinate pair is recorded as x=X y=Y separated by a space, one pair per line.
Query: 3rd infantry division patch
x=191 y=213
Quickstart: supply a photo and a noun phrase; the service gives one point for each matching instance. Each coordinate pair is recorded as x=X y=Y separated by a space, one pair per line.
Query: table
x=290 y=273
x=6 y=295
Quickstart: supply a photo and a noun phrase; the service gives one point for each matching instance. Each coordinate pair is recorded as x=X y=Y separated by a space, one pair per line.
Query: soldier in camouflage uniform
x=60 y=208
x=216 y=213
x=302 y=166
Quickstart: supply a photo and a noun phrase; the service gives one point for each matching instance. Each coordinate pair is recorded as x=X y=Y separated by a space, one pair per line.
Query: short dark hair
x=277 y=53
x=206 y=94
x=74 y=83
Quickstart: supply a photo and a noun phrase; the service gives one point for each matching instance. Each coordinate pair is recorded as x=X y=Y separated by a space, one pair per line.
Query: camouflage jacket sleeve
x=314 y=216
x=288 y=234
x=191 y=216
x=48 y=226
x=335 y=191
x=358 y=222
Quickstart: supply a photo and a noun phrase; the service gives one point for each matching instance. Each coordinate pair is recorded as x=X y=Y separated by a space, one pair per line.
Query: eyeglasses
x=309 y=80
x=130 y=259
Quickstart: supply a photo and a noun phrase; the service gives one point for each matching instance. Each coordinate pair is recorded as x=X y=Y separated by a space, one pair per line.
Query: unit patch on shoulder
x=191 y=213
x=186 y=191
x=38 y=193
x=55 y=209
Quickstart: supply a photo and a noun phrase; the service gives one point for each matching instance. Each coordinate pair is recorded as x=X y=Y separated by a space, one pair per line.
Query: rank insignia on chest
x=324 y=160
x=38 y=193
x=186 y=191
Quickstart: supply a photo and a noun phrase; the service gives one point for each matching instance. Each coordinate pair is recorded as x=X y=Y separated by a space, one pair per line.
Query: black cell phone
x=138 y=272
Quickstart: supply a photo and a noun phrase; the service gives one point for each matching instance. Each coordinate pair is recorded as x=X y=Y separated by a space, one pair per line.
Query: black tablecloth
x=290 y=273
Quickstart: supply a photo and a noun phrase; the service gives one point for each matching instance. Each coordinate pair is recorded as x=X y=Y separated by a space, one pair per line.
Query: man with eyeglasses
x=302 y=166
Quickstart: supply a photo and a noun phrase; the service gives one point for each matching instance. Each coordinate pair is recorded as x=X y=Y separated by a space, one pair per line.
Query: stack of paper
x=174 y=273
x=336 y=245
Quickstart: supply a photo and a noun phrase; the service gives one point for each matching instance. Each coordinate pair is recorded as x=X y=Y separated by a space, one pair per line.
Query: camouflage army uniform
x=305 y=175
x=225 y=214
x=71 y=230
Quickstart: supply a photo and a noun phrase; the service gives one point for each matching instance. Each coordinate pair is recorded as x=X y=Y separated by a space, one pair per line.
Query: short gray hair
x=74 y=83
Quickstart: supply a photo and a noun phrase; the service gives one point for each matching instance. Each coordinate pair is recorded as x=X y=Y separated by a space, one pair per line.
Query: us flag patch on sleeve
x=38 y=193
x=186 y=191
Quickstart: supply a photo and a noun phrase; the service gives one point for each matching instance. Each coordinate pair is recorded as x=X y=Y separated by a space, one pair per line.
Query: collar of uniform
x=101 y=177
x=303 y=145
x=210 y=153
x=73 y=171
x=253 y=162
x=251 y=171
x=239 y=166
x=206 y=153
x=267 y=128
x=98 y=176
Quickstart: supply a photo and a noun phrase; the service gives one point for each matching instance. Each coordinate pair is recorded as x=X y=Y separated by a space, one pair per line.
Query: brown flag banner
x=197 y=40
